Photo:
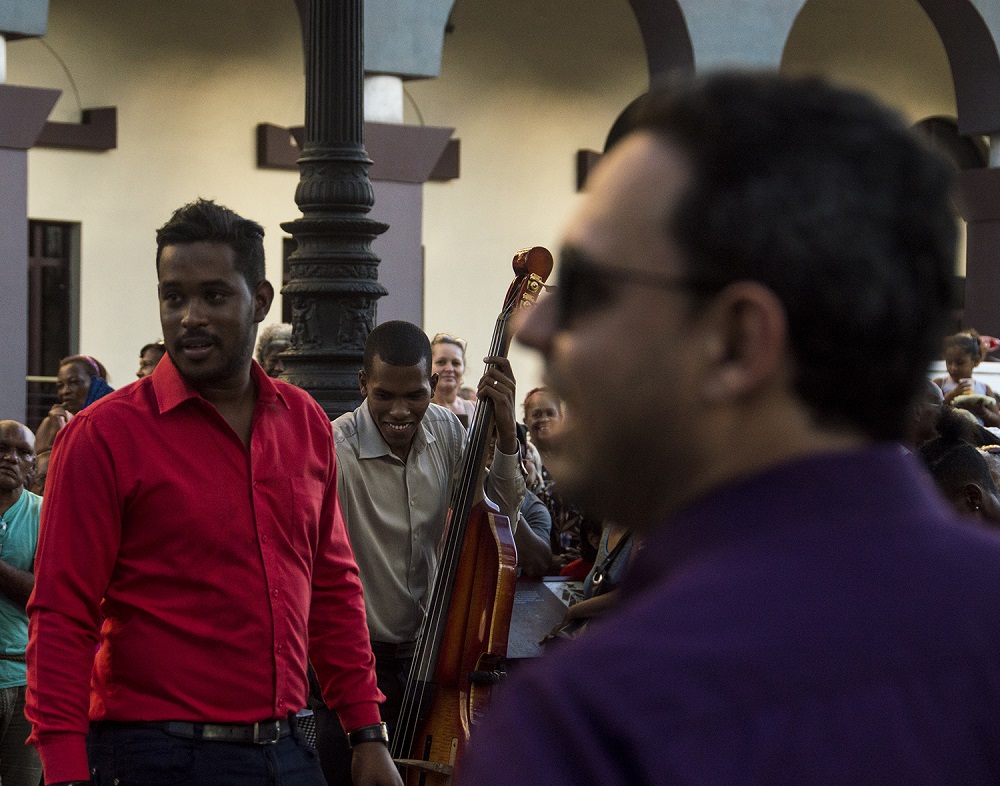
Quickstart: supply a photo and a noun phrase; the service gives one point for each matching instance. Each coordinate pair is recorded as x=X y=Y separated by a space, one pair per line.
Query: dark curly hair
x=398 y=343
x=205 y=221
x=827 y=198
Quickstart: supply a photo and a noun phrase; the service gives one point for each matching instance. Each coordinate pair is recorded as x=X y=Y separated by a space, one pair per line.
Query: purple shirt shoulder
x=826 y=621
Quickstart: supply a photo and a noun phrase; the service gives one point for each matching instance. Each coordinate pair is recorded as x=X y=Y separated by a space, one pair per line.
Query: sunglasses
x=584 y=287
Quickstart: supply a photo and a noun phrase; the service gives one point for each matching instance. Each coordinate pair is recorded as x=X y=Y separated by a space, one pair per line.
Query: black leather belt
x=401 y=651
x=262 y=733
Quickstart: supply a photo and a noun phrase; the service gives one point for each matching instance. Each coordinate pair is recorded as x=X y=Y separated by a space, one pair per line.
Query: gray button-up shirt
x=396 y=511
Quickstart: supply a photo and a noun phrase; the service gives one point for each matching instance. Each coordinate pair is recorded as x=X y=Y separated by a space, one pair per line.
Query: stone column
x=384 y=98
x=979 y=202
x=23 y=111
x=404 y=40
x=333 y=283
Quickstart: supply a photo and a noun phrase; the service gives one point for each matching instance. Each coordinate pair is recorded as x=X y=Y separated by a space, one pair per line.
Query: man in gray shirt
x=396 y=457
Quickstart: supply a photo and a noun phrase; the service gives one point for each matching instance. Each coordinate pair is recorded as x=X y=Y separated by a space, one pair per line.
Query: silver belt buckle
x=272 y=726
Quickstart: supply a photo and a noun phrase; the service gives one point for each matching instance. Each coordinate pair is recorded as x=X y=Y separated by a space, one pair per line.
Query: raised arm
x=505 y=484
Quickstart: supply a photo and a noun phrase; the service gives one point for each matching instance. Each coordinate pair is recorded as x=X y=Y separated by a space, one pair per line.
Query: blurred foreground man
x=769 y=261
x=191 y=535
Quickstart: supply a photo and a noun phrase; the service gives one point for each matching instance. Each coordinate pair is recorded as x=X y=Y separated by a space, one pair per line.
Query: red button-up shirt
x=217 y=566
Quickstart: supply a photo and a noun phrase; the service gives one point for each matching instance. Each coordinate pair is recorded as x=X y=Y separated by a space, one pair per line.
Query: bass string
x=477 y=442
x=419 y=679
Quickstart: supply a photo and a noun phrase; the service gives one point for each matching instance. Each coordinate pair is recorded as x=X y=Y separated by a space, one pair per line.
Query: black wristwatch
x=377 y=732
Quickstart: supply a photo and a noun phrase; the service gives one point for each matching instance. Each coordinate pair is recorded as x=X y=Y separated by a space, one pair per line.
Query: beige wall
x=525 y=84
x=523 y=89
x=191 y=80
x=888 y=48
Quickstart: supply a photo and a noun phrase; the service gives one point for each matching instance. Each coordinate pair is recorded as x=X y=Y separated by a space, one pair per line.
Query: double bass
x=462 y=645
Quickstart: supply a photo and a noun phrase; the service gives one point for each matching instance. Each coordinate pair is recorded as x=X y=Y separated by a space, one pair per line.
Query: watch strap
x=377 y=732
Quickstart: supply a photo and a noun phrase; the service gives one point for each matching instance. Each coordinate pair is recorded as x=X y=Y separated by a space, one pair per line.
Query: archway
x=665 y=34
x=975 y=63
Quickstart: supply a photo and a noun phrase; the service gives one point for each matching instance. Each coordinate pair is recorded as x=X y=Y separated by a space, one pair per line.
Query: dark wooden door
x=51 y=257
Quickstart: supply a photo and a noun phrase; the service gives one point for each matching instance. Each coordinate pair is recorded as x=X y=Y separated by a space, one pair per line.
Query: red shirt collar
x=171 y=389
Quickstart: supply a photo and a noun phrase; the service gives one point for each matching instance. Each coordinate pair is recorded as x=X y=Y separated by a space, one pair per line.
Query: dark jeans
x=331 y=741
x=19 y=763
x=124 y=754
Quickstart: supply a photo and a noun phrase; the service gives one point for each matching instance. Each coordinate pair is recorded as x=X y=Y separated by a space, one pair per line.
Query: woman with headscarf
x=82 y=380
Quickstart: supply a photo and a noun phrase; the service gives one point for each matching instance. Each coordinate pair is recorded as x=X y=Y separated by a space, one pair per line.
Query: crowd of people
x=773 y=592
x=956 y=431
x=397 y=457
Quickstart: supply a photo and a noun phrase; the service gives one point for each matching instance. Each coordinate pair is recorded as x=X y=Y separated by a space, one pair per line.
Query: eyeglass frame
x=576 y=266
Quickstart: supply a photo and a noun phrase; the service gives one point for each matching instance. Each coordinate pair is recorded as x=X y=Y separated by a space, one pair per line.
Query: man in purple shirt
x=768 y=262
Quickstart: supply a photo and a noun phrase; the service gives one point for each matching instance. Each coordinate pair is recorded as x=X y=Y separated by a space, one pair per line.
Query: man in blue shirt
x=19 y=515
x=768 y=263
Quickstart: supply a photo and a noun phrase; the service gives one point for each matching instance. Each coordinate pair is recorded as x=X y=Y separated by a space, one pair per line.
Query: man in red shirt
x=199 y=555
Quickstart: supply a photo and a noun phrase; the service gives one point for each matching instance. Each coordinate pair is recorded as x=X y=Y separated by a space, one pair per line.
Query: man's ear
x=434 y=383
x=746 y=341
x=363 y=382
x=972 y=499
x=263 y=296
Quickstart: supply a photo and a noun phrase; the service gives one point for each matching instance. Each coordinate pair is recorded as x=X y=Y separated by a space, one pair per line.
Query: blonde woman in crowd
x=448 y=362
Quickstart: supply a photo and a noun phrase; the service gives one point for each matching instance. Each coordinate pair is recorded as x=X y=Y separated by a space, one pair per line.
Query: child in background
x=962 y=353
